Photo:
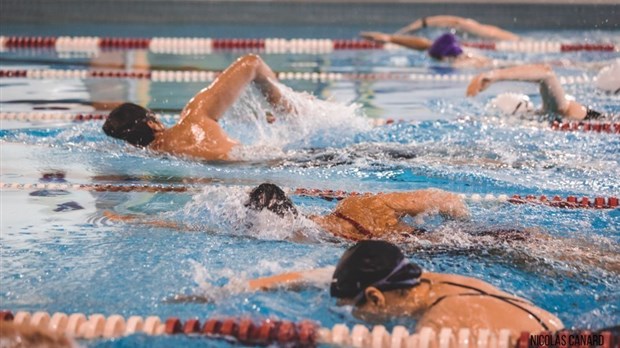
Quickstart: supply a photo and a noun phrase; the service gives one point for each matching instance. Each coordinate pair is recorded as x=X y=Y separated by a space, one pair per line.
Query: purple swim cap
x=447 y=45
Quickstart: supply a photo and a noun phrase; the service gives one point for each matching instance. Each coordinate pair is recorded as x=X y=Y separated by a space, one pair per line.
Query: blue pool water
x=78 y=261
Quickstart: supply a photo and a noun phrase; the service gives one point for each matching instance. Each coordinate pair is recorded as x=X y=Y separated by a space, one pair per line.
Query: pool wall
x=524 y=14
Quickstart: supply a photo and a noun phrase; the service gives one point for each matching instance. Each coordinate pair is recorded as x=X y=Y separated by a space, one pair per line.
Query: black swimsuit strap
x=361 y=229
x=484 y=293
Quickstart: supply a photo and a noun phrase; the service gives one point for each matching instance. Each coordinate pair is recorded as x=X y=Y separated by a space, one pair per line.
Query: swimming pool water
x=77 y=260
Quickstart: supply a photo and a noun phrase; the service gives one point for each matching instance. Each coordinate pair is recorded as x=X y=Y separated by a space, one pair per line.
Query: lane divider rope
x=35 y=116
x=286 y=333
x=210 y=75
x=564 y=126
x=187 y=45
x=556 y=201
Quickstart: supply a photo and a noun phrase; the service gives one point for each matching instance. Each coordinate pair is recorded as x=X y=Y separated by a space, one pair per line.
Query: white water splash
x=313 y=121
x=221 y=208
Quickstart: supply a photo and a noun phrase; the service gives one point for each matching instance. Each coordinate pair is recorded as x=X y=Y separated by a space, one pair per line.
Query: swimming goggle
x=386 y=284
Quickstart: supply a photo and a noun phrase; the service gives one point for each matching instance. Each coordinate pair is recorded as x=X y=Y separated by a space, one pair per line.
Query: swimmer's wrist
x=490 y=76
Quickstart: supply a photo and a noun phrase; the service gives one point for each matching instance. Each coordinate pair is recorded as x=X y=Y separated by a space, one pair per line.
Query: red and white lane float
x=180 y=76
x=301 y=334
x=555 y=201
x=37 y=116
x=194 y=45
x=330 y=195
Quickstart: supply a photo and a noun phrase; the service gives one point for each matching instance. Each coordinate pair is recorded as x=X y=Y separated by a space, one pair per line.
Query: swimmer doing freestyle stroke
x=198 y=135
x=380 y=216
x=446 y=47
x=379 y=282
x=554 y=100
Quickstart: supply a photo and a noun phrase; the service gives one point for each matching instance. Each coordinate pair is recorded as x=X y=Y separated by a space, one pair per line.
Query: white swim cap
x=608 y=79
x=513 y=103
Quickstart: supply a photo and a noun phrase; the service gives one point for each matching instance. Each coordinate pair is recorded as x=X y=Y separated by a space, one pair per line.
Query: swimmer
x=379 y=216
x=446 y=48
x=365 y=216
x=380 y=282
x=355 y=217
x=198 y=134
x=467 y=25
x=555 y=101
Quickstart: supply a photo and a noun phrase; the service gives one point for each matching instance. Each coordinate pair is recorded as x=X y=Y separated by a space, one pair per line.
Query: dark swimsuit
x=502 y=298
x=361 y=229
x=501 y=235
x=364 y=231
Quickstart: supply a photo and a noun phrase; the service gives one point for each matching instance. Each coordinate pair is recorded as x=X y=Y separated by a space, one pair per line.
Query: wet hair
x=372 y=263
x=129 y=122
x=270 y=197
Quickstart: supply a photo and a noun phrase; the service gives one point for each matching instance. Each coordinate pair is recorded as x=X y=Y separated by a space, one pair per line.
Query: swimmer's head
x=447 y=45
x=270 y=197
x=513 y=103
x=372 y=264
x=608 y=79
x=132 y=123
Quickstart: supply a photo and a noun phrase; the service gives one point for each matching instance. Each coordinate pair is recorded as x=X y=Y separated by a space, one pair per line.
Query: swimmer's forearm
x=413 y=42
x=432 y=21
x=473 y=27
x=531 y=73
x=552 y=92
x=215 y=100
x=271 y=282
x=291 y=279
x=464 y=24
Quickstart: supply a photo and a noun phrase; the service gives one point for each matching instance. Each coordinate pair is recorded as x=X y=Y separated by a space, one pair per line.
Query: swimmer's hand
x=375 y=36
x=478 y=84
x=448 y=204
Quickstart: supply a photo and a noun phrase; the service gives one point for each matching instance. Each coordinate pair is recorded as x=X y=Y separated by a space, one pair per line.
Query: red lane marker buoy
x=173 y=326
x=246 y=330
x=191 y=326
x=6 y=316
x=524 y=340
x=229 y=328
x=211 y=327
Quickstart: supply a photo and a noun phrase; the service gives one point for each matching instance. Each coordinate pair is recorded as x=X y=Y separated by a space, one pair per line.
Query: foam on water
x=313 y=122
x=222 y=209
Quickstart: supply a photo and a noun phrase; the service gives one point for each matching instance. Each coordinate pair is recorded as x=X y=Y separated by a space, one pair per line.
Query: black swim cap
x=372 y=263
x=129 y=122
x=270 y=197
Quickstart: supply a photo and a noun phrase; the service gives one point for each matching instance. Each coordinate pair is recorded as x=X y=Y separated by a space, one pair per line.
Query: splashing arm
x=552 y=93
x=412 y=42
x=293 y=280
x=138 y=219
x=427 y=201
x=464 y=24
x=216 y=99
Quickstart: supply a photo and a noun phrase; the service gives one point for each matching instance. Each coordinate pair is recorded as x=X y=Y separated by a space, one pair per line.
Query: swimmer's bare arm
x=552 y=93
x=463 y=24
x=426 y=201
x=216 y=99
x=138 y=219
x=412 y=42
x=292 y=279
